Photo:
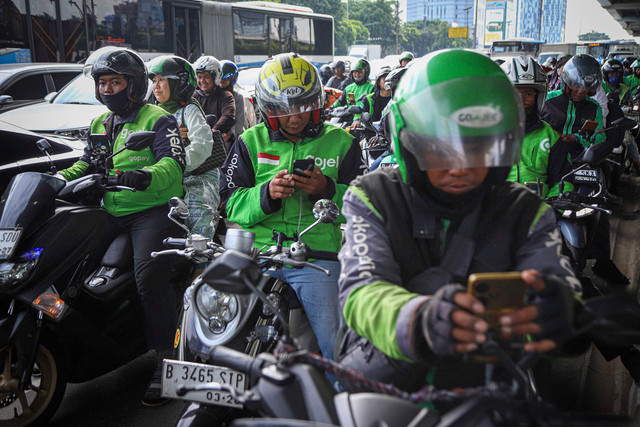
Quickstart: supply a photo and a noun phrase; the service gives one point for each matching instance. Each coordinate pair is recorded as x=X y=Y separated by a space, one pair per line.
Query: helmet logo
x=477 y=116
x=526 y=77
x=293 y=91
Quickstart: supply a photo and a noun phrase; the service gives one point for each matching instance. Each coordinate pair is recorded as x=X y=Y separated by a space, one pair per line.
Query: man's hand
x=315 y=184
x=226 y=136
x=550 y=315
x=281 y=186
x=568 y=138
x=139 y=179
x=184 y=133
x=451 y=321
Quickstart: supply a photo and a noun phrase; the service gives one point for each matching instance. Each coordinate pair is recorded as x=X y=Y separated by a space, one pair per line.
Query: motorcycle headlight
x=12 y=273
x=216 y=307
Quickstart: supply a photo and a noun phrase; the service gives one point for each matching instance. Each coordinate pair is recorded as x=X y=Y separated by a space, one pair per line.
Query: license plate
x=175 y=373
x=586 y=175
x=9 y=239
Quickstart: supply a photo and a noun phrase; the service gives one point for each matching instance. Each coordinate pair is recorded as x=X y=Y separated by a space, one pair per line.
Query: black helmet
x=581 y=72
x=116 y=60
x=628 y=61
x=361 y=64
x=179 y=71
x=612 y=66
x=393 y=78
x=339 y=64
x=325 y=72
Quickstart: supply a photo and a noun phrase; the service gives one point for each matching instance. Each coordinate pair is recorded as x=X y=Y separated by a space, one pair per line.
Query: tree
x=422 y=37
x=593 y=35
x=346 y=34
x=378 y=17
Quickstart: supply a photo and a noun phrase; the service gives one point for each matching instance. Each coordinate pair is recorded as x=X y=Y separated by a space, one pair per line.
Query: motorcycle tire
x=43 y=398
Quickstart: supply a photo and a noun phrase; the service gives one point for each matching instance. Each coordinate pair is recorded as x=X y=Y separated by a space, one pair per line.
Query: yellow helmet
x=288 y=84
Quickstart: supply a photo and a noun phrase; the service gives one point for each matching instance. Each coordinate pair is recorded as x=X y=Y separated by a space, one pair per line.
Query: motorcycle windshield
x=27 y=195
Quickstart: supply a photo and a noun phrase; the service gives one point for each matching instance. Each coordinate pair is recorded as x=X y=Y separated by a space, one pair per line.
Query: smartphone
x=301 y=165
x=589 y=126
x=500 y=293
x=351 y=98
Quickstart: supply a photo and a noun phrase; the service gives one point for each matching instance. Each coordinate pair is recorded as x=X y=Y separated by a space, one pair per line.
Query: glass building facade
x=550 y=28
x=458 y=11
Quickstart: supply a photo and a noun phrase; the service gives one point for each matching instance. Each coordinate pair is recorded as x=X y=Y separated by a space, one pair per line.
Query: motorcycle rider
x=156 y=173
x=338 y=68
x=612 y=81
x=174 y=83
x=325 y=73
x=361 y=85
x=566 y=110
x=414 y=233
x=633 y=79
x=405 y=58
x=554 y=78
x=376 y=101
x=212 y=98
x=542 y=156
x=228 y=82
x=262 y=194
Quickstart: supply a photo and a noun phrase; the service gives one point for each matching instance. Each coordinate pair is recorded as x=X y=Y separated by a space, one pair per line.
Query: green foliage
x=346 y=34
x=593 y=35
x=378 y=17
x=422 y=37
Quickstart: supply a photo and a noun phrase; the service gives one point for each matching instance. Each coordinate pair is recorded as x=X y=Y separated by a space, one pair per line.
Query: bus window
x=279 y=35
x=45 y=32
x=304 y=43
x=250 y=29
x=109 y=24
x=13 y=21
x=75 y=43
x=323 y=30
x=194 y=35
x=150 y=31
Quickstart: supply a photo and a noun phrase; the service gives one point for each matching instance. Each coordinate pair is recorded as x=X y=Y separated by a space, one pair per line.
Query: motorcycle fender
x=574 y=232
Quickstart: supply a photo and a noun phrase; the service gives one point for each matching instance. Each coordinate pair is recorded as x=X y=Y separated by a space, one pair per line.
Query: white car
x=67 y=113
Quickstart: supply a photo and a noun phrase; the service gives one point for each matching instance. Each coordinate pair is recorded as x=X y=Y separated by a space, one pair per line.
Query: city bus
x=515 y=47
x=246 y=33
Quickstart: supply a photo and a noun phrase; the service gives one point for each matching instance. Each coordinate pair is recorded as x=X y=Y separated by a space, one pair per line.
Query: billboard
x=494 y=21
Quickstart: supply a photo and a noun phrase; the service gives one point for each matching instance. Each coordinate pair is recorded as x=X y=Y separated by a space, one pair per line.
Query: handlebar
x=174 y=242
x=231 y=359
x=323 y=255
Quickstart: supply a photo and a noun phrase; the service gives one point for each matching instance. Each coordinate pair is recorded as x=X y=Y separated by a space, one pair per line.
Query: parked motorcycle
x=62 y=319
x=212 y=316
x=290 y=388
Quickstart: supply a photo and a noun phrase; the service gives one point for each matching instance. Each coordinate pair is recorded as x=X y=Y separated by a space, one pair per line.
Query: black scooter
x=62 y=319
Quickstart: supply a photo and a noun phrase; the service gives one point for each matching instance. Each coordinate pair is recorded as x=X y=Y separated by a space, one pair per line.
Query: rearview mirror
x=179 y=207
x=49 y=97
x=355 y=110
x=44 y=146
x=596 y=153
x=139 y=140
x=5 y=99
x=613 y=320
x=326 y=211
x=228 y=272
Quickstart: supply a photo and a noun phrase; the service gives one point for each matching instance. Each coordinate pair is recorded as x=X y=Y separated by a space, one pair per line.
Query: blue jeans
x=318 y=294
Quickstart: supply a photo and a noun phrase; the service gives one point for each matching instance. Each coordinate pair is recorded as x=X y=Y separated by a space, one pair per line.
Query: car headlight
x=81 y=133
x=12 y=273
x=216 y=307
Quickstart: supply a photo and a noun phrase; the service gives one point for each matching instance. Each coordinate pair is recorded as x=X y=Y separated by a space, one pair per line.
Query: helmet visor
x=573 y=79
x=282 y=109
x=446 y=128
x=107 y=60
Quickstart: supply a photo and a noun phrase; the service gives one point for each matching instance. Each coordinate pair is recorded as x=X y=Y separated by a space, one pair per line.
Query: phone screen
x=589 y=126
x=351 y=99
x=301 y=165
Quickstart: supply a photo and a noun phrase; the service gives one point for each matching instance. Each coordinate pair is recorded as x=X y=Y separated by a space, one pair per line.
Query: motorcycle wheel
x=36 y=405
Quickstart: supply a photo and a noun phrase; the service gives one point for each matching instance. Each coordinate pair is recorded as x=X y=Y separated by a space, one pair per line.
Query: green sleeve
x=372 y=310
x=247 y=201
x=76 y=170
x=164 y=173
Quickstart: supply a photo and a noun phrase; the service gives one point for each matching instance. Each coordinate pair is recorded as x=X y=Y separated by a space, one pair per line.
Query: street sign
x=458 y=32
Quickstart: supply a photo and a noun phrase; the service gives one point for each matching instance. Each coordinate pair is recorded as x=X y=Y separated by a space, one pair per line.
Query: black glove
x=139 y=179
x=556 y=306
x=436 y=320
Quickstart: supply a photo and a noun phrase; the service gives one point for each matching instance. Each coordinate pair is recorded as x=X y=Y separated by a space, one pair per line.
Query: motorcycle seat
x=120 y=253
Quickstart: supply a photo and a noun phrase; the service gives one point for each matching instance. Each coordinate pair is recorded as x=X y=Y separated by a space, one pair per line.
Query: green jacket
x=541 y=158
x=254 y=160
x=567 y=117
x=623 y=94
x=363 y=89
x=632 y=81
x=165 y=159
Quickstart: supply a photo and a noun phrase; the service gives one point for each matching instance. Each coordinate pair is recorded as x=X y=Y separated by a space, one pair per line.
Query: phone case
x=500 y=293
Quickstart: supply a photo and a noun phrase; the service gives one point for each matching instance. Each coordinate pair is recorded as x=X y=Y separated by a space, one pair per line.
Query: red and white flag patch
x=268 y=159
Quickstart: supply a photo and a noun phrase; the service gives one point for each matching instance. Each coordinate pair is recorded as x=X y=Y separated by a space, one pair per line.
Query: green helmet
x=406 y=55
x=361 y=64
x=444 y=117
x=178 y=71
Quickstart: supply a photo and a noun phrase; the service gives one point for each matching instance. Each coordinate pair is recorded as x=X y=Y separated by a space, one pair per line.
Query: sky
x=586 y=15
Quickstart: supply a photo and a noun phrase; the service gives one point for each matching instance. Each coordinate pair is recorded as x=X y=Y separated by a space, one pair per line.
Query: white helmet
x=209 y=64
x=524 y=71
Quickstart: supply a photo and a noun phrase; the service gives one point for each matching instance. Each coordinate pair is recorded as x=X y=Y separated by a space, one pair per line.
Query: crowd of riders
x=464 y=134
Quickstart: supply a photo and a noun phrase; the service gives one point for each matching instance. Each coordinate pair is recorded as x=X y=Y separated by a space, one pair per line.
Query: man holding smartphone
x=278 y=169
x=416 y=233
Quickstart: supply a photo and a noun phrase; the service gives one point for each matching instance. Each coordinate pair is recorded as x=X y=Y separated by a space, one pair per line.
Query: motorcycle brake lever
x=120 y=188
x=179 y=252
x=597 y=208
